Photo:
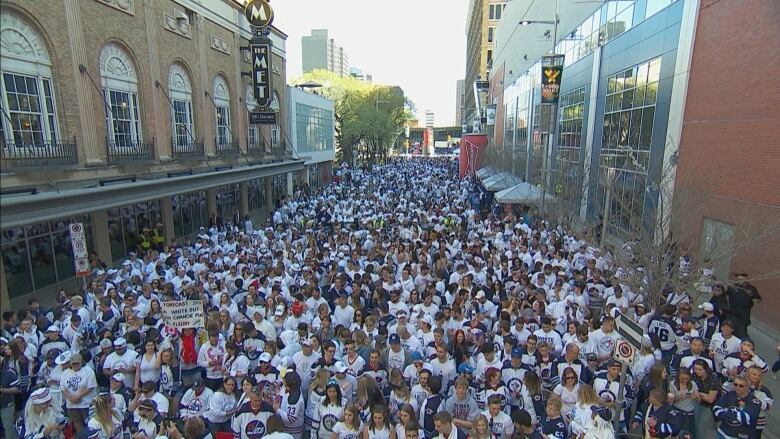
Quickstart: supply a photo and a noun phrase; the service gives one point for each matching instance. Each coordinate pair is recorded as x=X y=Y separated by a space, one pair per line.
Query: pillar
x=243 y=187
x=269 y=196
x=211 y=202
x=207 y=127
x=166 y=207
x=290 y=184
x=5 y=300
x=100 y=237
x=158 y=113
x=85 y=91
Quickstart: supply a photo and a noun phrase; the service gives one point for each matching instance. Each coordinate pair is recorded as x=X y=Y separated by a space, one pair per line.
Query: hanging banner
x=261 y=72
x=182 y=314
x=490 y=114
x=551 y=84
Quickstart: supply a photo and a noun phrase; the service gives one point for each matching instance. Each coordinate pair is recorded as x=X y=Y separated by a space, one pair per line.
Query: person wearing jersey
x=724 y=344
x=251 y=420
x=444 y=426
x=461 y=406
x=607 y=386
x=329 y=412
x=431 y=406
x=658 y=418
x=499 y=423
x=290 y=407
x=665 y=329
x=738 y=411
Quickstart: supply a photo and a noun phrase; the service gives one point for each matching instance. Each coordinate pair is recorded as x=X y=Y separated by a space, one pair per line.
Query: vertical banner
x=78 y=243
x=261 y=72
x=551 y=84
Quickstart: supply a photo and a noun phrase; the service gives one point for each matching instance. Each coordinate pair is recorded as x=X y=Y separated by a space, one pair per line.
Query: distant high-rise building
x=429 y=120
x=481 y=22
x=359 y=74
x=460 y=100
x=320 y=52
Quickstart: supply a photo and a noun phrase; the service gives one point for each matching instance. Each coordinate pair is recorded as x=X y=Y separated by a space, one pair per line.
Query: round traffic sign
x=75 y=228
x=259 y=13
x=624 y=349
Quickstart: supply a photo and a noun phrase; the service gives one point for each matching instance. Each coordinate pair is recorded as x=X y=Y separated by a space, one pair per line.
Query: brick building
x=125 y=115
x=729 y=149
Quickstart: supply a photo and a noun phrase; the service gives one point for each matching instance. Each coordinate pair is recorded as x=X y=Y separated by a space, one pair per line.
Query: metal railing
x=21 y=156
x=227 y=148
x=130 y=152
x=187 y=151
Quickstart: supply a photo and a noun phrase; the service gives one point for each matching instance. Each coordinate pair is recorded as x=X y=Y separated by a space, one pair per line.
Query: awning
x=485 y=172
x=500 y=181
x=524 y=193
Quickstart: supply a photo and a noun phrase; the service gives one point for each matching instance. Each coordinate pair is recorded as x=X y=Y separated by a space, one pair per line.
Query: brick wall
x=730 y=146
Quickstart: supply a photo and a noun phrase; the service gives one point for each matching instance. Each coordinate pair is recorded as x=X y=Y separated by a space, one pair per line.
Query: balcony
x=129 y=152
x=187 y=151
x=225 y=148
x=17 y=157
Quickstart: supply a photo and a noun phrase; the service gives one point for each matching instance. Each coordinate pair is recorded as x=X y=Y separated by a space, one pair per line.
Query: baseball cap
x=517 y=353
x=707 y=306
x=613 y=362
x=416 y=356
x=394 y=338
x=265 y=357
x=592 y=357
x=480 y=294
x=53 y=328
x=63 y=358
x=120 y=342
x=279 y=311
x=118 y=377
x=105 y=343
x=465 y=368
x=340 y=367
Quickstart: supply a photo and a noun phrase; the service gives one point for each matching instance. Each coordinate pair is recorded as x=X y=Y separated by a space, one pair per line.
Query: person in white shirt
x=122 y=360
x=499 y=422
x=196 y=400
x=210 y=357
x=79 y=388
x=724 y=344
x=344 y=313
x=443 y=366
x=548 y=335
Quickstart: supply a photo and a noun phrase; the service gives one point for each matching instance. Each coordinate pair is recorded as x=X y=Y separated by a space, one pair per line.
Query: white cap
x=480 y=294
x=118 y=377
x=340 y=367
x=120 y=342
x=41 y=396
x=53 y=328
x=265 y=357
x=707 y=306
x=63 y=358
x=427 y=319
x=279 y=311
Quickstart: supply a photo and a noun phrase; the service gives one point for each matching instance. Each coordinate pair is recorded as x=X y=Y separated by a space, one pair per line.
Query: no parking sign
x=624 y=352
x=79 y=245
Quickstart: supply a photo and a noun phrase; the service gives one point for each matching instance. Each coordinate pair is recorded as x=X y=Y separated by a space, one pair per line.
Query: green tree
x=368 y=116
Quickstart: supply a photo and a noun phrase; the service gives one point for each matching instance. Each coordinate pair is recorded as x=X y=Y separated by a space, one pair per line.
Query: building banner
x=551 y=84
x=182 y=314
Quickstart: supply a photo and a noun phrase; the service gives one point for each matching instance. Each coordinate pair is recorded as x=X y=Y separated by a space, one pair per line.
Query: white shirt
x=76 y=382
x=115 y=361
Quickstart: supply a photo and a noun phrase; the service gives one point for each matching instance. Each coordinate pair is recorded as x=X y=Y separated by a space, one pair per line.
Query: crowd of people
x=388 y=306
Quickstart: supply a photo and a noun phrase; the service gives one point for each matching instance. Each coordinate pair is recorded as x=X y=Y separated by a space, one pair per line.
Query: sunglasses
x=571 y=378
x=739 y=385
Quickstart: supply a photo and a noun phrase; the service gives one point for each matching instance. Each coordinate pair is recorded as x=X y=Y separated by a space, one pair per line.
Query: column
x=206 y=85
x=100 y=237
x=290 y=184
x=5 y=301
x=166 y=209
x=240 y=119
x=85 y=92
x=211 y=202
x=244 y=188
x=590 y=137
x=160 y=108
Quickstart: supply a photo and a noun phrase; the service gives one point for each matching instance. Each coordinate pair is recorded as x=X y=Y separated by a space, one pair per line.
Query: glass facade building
x=314 y=128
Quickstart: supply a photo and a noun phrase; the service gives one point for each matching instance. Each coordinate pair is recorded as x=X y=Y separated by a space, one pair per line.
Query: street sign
x=262 y=118
x=259 y=13
x=629 y=330
x=260 y=32
x=624 y=352
x=78 y=243
x=261 y=72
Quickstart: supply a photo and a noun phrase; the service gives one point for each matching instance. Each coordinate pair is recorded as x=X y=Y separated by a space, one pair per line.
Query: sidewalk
x=765 y=339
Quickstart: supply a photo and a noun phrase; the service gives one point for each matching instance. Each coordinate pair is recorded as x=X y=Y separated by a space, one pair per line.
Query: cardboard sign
x=183 y=314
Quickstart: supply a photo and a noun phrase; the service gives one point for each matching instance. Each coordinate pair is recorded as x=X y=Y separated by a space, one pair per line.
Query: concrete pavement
x=766 y=338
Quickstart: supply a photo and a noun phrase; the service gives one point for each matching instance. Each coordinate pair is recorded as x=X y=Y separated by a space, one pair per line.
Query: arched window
x=29 y=116
x=253 y=134
x=120 y=88
x=275 y=130
x=222 y=103
x=181 y=114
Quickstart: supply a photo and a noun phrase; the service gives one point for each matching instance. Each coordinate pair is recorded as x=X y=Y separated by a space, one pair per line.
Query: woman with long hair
x=582 y=415
x=535 y=391
x=148 y=367
x=379 y=425
x=459 y=347
x=107 y=420
x=655 y=379
x=350 y=426
x=40 y=417
x=225 y=322
x=681 y=390
x=368 y=395
x=480 y=430
x=568 y=391
x=236 y=364
x=358 y=320
x=247 y=384
x=317 y=394
x=328 y=411
x=222 y=405
x=400 y=394
x=407 y=417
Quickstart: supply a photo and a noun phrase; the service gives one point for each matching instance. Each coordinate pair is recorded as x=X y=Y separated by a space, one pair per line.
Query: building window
x=126 y=224
x=190 y=212
x=626 y=140
x=491 y=30
x=257 y=194
x=29 y=116
x=492 y=12
x=181 y=115
x=490 y=55
x=40 y=255
x=120 y=89
x=613 y=18
x=572 y=106
x=655 y=6
x=228 y=200
x=253 y=132
x=499 y=8
x=314 y=128
x=222 y=104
